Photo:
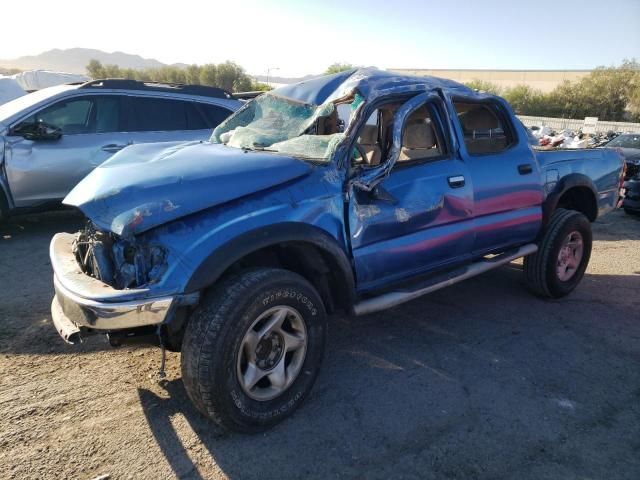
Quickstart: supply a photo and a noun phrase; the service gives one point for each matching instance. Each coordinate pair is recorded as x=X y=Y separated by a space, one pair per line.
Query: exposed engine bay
x=121 y=263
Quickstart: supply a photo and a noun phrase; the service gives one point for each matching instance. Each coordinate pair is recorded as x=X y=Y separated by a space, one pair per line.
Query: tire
x=544 y=270
x=215 y=348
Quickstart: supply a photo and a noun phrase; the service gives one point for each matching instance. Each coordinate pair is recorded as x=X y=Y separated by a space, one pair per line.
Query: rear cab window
x=485 y=127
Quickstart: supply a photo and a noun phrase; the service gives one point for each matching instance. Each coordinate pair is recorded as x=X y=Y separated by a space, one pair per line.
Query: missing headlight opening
x=118 y=262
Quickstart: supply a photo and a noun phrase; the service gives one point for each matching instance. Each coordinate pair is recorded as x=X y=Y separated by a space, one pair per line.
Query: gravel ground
x=481 y=380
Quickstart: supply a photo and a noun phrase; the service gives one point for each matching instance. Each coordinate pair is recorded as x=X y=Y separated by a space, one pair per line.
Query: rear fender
x=563 y=185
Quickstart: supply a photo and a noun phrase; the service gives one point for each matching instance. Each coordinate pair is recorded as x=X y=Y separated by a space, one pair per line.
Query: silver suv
x=52 y=138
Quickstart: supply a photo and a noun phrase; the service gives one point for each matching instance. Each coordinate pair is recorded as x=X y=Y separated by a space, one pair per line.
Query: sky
x=294 y=38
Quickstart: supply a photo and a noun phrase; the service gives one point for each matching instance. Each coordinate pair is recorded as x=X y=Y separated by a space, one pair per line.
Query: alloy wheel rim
x=570 y=256
x=272 y=353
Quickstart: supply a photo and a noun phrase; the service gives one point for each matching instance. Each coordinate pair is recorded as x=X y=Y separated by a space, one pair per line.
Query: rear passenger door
x=161 y=119
x=507 y=189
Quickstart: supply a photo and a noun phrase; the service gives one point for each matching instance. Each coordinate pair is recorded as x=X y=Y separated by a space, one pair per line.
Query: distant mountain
x=75 y=60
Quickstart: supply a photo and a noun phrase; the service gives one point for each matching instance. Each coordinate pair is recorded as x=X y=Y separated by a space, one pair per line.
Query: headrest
x=479 y=118
x=369 y=135
x=418 y=135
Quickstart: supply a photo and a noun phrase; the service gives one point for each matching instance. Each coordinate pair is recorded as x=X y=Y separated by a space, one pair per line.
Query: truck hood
x=148 y=185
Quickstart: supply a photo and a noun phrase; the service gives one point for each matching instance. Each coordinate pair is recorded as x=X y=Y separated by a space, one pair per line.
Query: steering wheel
x=361 y=152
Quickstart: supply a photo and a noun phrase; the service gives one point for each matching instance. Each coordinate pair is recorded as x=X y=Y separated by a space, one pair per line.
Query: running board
x=391 y=299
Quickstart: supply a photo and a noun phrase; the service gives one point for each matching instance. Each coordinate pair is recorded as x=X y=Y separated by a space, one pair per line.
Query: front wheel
x=563 y=255
x=253 y=348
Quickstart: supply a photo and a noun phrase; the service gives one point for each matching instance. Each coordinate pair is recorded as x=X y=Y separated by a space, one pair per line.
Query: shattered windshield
x=276 y=124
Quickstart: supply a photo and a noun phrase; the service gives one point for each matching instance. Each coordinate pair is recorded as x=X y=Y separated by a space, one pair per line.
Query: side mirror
x=368 y=179
x=38 y=131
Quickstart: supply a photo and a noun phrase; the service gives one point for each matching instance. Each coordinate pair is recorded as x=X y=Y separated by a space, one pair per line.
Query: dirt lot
x=481 y=380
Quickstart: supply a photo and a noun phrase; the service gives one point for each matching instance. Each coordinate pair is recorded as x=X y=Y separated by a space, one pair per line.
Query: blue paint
x=160 y=183
x=196 y=199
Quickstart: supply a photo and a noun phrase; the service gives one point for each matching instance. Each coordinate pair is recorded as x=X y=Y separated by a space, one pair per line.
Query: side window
x=483 y=127
x=71 y=116
x=211 y=116
x=88 y=114
x=419 y=140
x=107 y=114
x=148 y=114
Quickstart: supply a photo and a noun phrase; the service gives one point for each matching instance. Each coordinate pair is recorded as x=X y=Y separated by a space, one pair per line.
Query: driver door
x=40 y=171
x=420 y=217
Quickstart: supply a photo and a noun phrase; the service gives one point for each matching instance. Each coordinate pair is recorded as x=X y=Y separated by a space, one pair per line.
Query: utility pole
x=269 y=70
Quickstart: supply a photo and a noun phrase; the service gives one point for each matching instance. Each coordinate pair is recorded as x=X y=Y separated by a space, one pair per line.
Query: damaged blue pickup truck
x=354 y=192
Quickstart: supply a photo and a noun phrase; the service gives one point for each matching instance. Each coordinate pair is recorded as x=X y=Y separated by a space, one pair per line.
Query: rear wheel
x=558 y=266
x=253 y=348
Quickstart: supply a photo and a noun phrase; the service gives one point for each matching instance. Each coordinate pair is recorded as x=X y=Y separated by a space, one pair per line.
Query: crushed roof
x=368 y=82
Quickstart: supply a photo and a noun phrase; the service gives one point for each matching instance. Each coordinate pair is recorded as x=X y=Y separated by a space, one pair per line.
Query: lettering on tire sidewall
x=290 y=293
x=238 y=400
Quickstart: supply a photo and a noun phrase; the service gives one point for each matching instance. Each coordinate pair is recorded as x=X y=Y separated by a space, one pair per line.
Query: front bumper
x=84 y=305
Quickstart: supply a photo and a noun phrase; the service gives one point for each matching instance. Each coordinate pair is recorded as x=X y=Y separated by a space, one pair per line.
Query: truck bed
x=603 y=166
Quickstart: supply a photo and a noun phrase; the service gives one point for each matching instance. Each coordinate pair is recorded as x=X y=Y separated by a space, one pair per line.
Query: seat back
x=418 y=141
x=369 y=142
x=483 y=132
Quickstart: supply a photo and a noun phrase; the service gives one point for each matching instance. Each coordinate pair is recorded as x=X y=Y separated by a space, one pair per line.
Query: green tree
x=609 y=93
x=228 y=75
x=94 y=69
x=260 y=87
x=111 y=71
x=525 y=99
x=606 y=93
x=232 y=77
x=338 y=67
x=192 y=74
x=208 y=75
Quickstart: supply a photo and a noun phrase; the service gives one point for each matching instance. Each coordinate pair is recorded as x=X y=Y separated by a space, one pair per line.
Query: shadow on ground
x=480 y=380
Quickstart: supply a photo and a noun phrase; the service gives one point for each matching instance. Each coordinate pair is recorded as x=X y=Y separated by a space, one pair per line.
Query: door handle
x=525 y=169
x=112 y=147
x=456 y=181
